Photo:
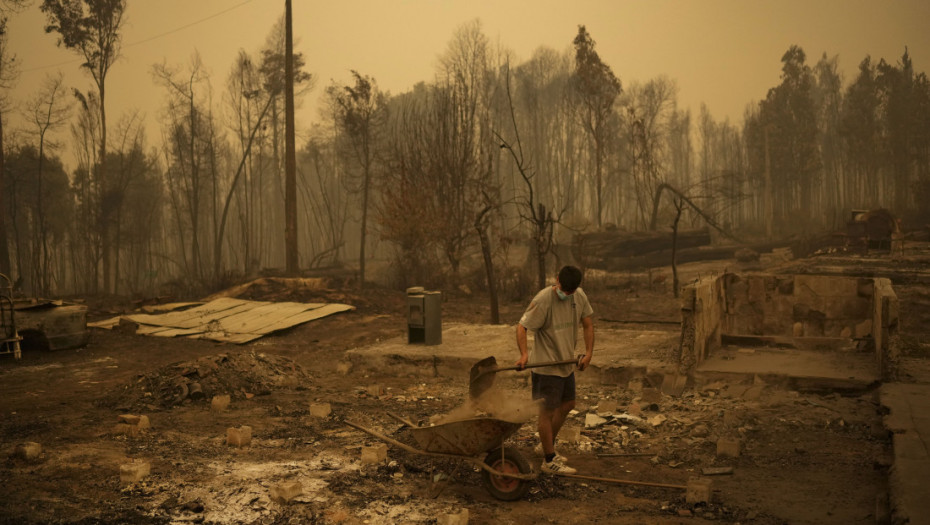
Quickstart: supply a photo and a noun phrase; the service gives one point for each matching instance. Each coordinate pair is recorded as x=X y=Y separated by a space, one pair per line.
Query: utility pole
x=290 y=158
x=768 y=205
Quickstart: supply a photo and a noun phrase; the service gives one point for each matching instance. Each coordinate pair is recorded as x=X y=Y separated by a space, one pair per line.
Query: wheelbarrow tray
x=467 y=437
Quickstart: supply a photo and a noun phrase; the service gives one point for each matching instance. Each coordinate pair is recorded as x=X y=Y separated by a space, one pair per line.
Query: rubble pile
x=239 y=375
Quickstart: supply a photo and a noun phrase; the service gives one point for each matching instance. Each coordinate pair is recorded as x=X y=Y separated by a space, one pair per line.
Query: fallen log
x=664 y=257
x=610 y=244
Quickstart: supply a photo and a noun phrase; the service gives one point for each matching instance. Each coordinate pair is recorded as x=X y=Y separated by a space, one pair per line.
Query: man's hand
x=522 y=362
x=584 y=361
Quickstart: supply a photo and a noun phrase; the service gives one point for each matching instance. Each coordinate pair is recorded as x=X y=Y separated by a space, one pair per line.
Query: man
x=554 y=315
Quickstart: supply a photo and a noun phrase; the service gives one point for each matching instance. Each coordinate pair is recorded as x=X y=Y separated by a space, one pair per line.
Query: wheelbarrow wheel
x=510 y=461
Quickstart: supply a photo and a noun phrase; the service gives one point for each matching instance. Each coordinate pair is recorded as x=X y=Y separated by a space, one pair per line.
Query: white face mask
x=562 y=295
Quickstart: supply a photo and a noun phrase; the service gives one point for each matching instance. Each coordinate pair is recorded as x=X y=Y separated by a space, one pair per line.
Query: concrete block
x=29 y=450
x=321 y=410
x=134 y=472
x=731 y=418
x=124 y=429
x=728 y=447
x=220 y=402
x=129 y=419
x=374 y=454
x=376 y=390
x=286 y=491
x=571 y=434
x=239 y=437
x=699 y=490
x=461 y=518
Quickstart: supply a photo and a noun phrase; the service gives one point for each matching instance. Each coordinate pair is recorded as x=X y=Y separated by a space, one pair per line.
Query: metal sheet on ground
x=229 y=320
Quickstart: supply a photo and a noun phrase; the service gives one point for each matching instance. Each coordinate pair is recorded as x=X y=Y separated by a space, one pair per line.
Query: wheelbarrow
x=504 y=471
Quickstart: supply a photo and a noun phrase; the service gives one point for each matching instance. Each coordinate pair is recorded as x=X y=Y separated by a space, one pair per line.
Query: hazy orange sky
x=725 y=53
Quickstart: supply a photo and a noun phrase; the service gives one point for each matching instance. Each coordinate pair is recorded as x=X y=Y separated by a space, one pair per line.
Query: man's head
x=569 y=279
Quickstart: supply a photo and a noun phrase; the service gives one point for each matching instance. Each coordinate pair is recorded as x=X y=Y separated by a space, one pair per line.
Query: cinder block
x=699 y=490
x=454 y=519
x=220 y=403
x=134 y=472
x=321 y=410
x=286 y=491
x=728 y=447
x=29 y=450
x=571 y=434
x=374 y=454
x=239 y=437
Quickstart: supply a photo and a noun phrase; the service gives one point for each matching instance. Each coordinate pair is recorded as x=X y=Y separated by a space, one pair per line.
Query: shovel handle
x=537 y=365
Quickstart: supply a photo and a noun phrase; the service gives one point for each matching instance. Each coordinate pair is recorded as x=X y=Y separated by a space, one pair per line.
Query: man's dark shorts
x=553 y=390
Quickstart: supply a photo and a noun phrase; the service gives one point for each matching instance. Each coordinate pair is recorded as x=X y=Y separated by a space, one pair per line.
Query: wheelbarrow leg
x=439 y=481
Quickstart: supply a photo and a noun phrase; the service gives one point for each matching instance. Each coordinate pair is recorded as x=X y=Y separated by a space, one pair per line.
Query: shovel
x=483 y=372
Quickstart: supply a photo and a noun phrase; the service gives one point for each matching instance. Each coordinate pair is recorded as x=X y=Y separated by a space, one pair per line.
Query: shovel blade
x=481 y=377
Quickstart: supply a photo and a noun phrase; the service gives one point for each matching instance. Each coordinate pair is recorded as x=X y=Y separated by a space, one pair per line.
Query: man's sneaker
x=556 y=467
x=540 y=453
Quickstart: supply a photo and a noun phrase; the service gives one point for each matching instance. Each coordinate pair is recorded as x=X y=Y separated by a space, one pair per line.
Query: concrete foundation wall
x=798 y=306
x=703 y=317
x=789 y=307
x=885 y=319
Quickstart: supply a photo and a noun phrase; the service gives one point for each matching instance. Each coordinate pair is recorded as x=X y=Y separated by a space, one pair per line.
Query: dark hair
x=569 y=278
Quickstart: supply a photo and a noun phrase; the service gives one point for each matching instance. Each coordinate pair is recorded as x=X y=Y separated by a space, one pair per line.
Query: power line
x=149 y=39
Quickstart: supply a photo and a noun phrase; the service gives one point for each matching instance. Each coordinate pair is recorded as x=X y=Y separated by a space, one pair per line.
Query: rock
x=220 y=403
x=700 y=431
x=320 y=410
x=29 y=450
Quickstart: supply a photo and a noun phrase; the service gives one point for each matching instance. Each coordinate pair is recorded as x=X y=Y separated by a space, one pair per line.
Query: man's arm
x=588 y=324
x=521 y=345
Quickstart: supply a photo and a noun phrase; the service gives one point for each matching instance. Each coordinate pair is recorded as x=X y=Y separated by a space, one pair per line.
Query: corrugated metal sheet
x=228 y=320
